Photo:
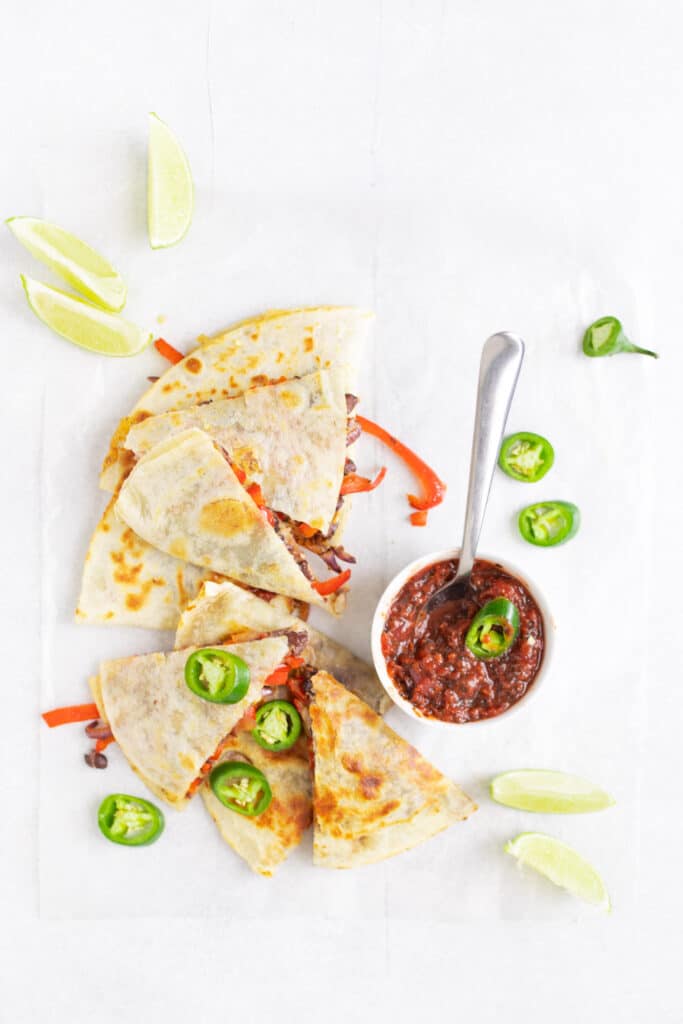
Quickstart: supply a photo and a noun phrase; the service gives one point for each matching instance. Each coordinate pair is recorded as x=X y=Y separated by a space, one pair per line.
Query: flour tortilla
x=222 y=611
x=184 y=498
x=265 y=840
x=279 y=344
x=128 y=582
x=165 y=731
x=288 y=438
x=374 y=795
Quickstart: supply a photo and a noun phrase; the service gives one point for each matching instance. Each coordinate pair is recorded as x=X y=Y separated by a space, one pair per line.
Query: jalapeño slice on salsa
x=129 y=820
x=526 y=456
x=548 y=523
x=241 y=787
x=278 y=725
x=217 y=675
x=493 y=629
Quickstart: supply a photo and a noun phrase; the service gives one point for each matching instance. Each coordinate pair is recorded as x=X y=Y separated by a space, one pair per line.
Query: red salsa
x=435 y=671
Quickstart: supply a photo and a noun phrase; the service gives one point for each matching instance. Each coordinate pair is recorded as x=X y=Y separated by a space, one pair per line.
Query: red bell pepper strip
x=433 y=488
x=419 y=518
x=354 y=484
x=74 y=713
x=167 y=351
x=101 y=745
x=325 y=587
x=305 y=530
x=280 y=676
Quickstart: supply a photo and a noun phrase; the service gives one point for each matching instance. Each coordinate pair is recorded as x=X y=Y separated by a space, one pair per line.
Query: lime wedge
x=170 y=194
x=83 y=324
x=79 y=265
x=561 y=864
x=548 y=792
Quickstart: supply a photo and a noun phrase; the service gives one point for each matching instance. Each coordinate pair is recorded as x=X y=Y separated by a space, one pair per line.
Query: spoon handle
x=501 y=361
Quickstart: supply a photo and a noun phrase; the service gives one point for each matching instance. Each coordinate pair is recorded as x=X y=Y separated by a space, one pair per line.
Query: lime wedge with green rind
x=80 y=265
x=548 y=792
x=170 y=193
x=561 y=865
x=83 y=324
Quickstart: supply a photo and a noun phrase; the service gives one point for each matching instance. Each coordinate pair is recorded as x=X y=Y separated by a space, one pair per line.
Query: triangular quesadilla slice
x=289 y=439
x=170 y=736
x=223 y=612
x=185 y=498
x=374 y=795
x=265 y=840
x=128 y=582
x=279 y=345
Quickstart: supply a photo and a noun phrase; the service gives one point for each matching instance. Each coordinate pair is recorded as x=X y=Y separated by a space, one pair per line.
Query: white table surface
x=459 y=167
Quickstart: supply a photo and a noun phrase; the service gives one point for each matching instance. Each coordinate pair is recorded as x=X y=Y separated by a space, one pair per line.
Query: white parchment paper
x=419 y=381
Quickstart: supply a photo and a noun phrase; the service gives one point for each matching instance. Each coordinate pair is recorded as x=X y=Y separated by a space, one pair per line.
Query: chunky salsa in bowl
x=474 y=659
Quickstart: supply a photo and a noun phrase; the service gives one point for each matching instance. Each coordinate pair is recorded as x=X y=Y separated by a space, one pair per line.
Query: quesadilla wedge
x=265 y=840
x=278 y=345
x=223 y=612
x=374 y=795
x=289 y=439
x=128 y=582
x=185 y=498
x=170 y=736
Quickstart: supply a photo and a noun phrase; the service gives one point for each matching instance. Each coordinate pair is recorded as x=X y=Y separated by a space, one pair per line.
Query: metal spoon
x=501 y=361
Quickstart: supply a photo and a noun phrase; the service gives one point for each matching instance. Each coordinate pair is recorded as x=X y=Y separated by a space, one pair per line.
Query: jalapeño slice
x=278 y=725
x=526 y=456
x=493 y=629
x=217 y=675
x=129 y=820
x=548 y=523
x=241 y=787
x=605 y=337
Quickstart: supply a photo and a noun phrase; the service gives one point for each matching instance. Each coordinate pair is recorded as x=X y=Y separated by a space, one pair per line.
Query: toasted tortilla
x=128 y=582
x=166 y=732
x=264 y=841
x=289 y=438
x=222 y=611
x=374 y=795
x=280 y=344
x=183 y=497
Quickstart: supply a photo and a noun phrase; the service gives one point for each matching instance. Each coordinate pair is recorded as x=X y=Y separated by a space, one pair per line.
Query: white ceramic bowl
x=382 y=611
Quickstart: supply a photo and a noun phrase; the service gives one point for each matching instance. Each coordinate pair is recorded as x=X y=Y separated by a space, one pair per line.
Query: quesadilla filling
x=280 y=677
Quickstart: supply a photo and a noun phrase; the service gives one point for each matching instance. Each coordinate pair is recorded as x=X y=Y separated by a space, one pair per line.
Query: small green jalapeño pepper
x=241 y=787
x=493 y=629
x=549 y=523
x=217 y=675
x=526 y=456
x=278 y=725
x=129 y=820
x=606 y=337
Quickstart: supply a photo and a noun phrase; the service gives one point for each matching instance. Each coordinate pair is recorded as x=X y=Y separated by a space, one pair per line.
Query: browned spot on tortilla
x=134 y=602
x=352 y=764
x=109 y=615
x=193 y=365
x=389 y=806
x=325 y=805
x=183 y=595
x=177 y=548
x=259 y=380
x=370 y=785
x=290 y=398
x=227 y=517
x=246 y=459
x=254 y=336
x=280 y=356
x=252 y=362
x=172 y=385
x=105 y=527
x=308 y=344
